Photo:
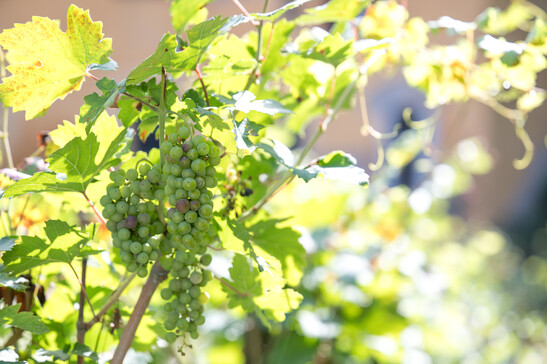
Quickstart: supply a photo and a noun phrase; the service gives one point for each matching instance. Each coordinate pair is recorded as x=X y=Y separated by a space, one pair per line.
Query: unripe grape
x=194 y=205
x=114 y=193
x=195 y=291
x=153 y=176
x=143 y=218
x=186 y=284
x=170 y=337
x=173 y=137
x=175 y=153
x=182 y=324
x=194 y=195
x=142 y=258
x=131 y=174
x=135 y=187
x=181 y=193
x=184 y=132
x=186 y=146
x=210 y=182
x=214 y=161
x=190 y=216
x=184 y=227
x=135 y=247
x=193 y=315
x=126 y=257
x=198 y=139
x=132 y=267
x=206 y=259
x=196 y=277
x=172 y=200
x=188 y=172
x=189 y=184
x=119 y=180
x=200 y=320
x=145 y=185
x=206 y=210
x=193 y=154
x=124 y=234
x=154 y=255
x=144 y=232
x=169 y=325
x=184 y=162
x=176 y=170
x=178 y=217
x=165 y=147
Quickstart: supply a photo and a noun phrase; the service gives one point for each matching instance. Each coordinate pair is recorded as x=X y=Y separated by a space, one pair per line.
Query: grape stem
x=5 y=136
x=80 y=325
x=202 y=85
x=224 y=282
x=246 y=13
x=157 y=275
x=82 y=285
x=112 y=300
x=97 y=213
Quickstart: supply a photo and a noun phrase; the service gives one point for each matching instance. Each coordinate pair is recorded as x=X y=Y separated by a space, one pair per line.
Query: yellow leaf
x=47 y=64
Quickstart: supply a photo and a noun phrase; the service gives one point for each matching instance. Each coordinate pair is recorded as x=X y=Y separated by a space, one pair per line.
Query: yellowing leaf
x=47 y=64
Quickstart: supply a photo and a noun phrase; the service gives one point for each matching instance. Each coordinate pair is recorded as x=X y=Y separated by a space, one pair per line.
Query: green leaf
x=259 y=292
x=95 y=104
x=333 y=11
x=24 y=320
x=235 y=237
x=245 y=102
x=186 y=12
x=279 y=151
x=6 y=243
x=169 y=56
x=275 y=14
x=282 y=243
x=15 y=283
x=73 y=166
x=332 y=50
x=242 y=131
x=47 y=64
x=84 y=351
x=63 y=244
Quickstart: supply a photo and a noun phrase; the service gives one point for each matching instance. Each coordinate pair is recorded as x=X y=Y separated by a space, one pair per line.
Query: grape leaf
x=95 y=104
x=333 y=11
x=185 y=12
x=6 y=243
x=62 y=244
x=259 y=292
x=74 y=167
x=242 y=131
x=245 y=102
x=234 y=236
x=275 y=14
x=282 y=243
x=24 y=320
x=15 y=283
x=332 y=50
x=46 y=63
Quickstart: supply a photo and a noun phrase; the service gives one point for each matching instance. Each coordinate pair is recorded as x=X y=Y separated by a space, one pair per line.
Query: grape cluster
x=130 y=209
x=189 y=172
x=163 y=212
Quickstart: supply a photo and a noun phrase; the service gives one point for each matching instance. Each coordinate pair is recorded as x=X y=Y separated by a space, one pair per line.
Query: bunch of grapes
x=163 y=212
x=130 y=208
x=189 y=172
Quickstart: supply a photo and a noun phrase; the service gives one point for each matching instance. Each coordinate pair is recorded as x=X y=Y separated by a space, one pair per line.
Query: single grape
x=198 y=139
x=131 y=174
x=173 y=137
x=193 y=154
x=143 y=218
x=184 y=132
x=188 y=172
x=205 y=210
x=194 y=205
x=135 y=247
x=166 y=293
x=144 y=232
x=187 y=146
x=196 y=277
x=203 y=149
x=181 y=193
x=153 y=176
x=198 y=165
x=132 y=267
x=170 y=337
x=194 y=195
x=184 y=227
x=175 y=153
x=142 y=258
x=190 y=216
x=122 y=207
x=165 y=147
x=189 y=184
x=114 y=193
x=184 y=162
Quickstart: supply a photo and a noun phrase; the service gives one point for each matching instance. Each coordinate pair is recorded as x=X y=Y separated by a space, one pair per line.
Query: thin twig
x=5 y=114
x=245 y=12
x=83 y=288
x=202 y=85
x=95 y=210
x=80 y=325
x=111 y=301
x=224 y=282
x=157 y=275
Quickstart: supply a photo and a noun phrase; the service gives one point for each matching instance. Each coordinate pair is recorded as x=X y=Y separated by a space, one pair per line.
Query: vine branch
x=82 y=285
x=111 y=301
x=245 y=12
x=80 y=325
x=95 y=210
x=202 y=85
x=5 y=114
x=157 y=275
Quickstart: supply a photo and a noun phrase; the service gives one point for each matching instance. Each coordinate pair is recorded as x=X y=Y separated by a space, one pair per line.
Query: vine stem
x=5 y=115
x=95 y=210
x=112 y=300
x=245 y=12
x=80 y=325
x=157 y=275
x=82 y=285
x=200 y=78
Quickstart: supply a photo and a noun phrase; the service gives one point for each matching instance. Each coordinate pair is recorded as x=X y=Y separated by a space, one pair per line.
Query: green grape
x=200 y=320
x=165 y=262
x=185 y=285
x=203 y=149
x=206 y=259
x=174 y=285
x=184 y=162
x=190 y=216
x=147 y=248
x=165 y=147
x=132 y=267
x=114 y=193
x=210 y=182
x=132 y=210
x=194 y=205
x=126 y=257
x=170 y=337
x=198 y=165
x=159 y=195
x=109 y=210
x=105 y=200
x=153 y=176
x=142 y=272
x=193 y=334
x=119 y=180
x=172 y=200
x=178 y=217
x=169 y=325
x=193 y=154
x=144 y=168
x=132 y=174
x=175 y=153
x=117 y=217
x=195 y=291
x=185 y=272
x=111 y=225
x=200 y=182
x=198 y=139
x=188 y=240
x=184 y=227
x=196 y=277
x=181 y=193
x=172 y=227
x=145 y=185
x=176 y=170
x=194 y=195
x=124 y=234
x=188 y=172
x=144 y=232
x=125 y=191
x=182 y=324
x=205 y=210
x=135 y=247
x=135 y=200
x=166 y=293
x=204 y=198
x=135 y=187
x=143 y=258
x=210 y=171
x=122 y=207
x=143 y=218
x=184 y=132
x=169 y=190
x=189 y=184
x=166 y=169
x=173 y=137
x=193 y=315
x=214 y=161
x=154 y=255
